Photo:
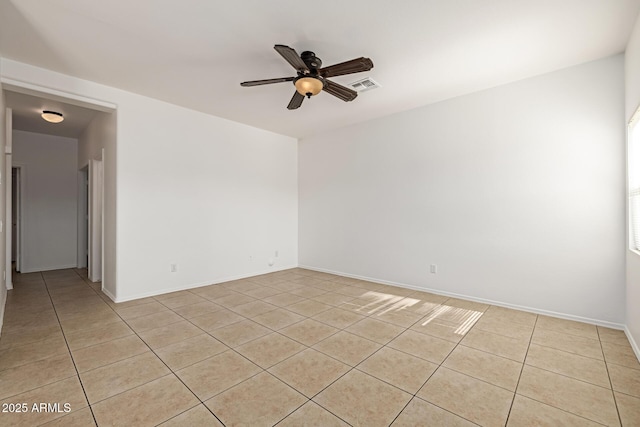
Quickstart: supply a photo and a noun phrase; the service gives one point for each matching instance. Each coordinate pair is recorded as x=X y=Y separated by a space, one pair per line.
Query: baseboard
x=109 y=294
x=48 y=268
x=535 y=310
x=632 y=341
x=195 y=285
x=4 y=302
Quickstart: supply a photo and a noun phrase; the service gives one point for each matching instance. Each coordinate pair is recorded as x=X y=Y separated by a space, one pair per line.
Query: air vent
x=364 y=84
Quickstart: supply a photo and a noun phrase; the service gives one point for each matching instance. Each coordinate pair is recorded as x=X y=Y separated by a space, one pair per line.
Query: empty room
x=357 y=213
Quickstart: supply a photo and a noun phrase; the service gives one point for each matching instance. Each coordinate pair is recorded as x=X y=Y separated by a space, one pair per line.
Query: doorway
x=83 y=217
x=16 y=215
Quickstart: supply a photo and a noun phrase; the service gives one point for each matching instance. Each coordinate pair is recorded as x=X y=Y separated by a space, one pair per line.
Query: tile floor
x=298 y=348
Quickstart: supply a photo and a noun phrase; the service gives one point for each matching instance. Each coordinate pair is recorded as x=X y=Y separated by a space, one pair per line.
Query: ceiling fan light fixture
x=308 y=86
x=52 y=116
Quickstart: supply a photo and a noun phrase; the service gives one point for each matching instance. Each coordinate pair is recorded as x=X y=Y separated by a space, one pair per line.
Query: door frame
x=83 y=218
x=96 y=220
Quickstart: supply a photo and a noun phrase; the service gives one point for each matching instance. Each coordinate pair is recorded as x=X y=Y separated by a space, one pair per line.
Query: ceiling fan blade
x=266 y=81
x=357 y=65
x=292 y=57
x=296 y=101
x=339 y=91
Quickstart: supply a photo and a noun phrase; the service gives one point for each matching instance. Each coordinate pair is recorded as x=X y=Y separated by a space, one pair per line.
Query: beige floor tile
x=182 y=300
x=99 y=335
x=190 y=351
x=213 y=292
x=199 y=416
x=171 y=295
x=284 y=299
x=338 y=318
x=217 y=373
x=470 y=398
x=485 y=366
x=88 y=358
x=65 y=391
x=132 y=303
x=36 y=374
x=239 y=333
x=155 y=320
x=23 y=336
x=328 y=286
x=170 y=334
x=146 y=405
x=446 y=330
x=467 y=305
x=510 y=315
x=286 y=286
x=567 y=327
x=420 y=413
x=351 y=291
x=348 y=348
x=309 y=371
x=570 y=343
x=270 y=349
x=89 y=321
x=400 y=369
x=263 y=292
x=462 y=317
x=399 y=318
x=333 y=298
x=216 y=320
x=500 y=345
x=308 y=292
x=193 y=310
x=629 y=408
x=309 y=307
x=580 y=398
x=375 y=330
x=614 y=336
x=18 y=356
x=81 y=418
x=309 y=331
x=233 y=300
x=260 y=400
x=45 y=318
x=422 y=345
x=572 y=365
x=278 y=319
x=362 y=400
x=131 y=312
x=620 y=355
x=254 y=308
x=312 y=415
x=502 y=327
x=625 y=380
x=110 y=380
x=529 y=413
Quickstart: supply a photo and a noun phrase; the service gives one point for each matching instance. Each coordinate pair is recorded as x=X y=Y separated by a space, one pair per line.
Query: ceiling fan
x=312 y=78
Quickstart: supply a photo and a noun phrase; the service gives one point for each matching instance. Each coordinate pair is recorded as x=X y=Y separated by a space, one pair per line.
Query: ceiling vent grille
x=364 y=84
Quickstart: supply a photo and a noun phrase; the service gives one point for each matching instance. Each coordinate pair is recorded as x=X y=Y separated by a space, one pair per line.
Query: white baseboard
x=535 y=310
x=109 y=294
x=632 y=341
x=194 y=285
x=2 y=305
x=47 y=268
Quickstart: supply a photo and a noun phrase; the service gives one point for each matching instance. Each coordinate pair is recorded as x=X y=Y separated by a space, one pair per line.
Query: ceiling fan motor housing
x=312 y=61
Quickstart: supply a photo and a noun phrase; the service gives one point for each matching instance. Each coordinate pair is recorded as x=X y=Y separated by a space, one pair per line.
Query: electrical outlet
x=434 y=269
x=174 y=268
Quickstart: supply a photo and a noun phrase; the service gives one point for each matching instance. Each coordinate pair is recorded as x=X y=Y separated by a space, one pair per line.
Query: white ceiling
x=195 y=53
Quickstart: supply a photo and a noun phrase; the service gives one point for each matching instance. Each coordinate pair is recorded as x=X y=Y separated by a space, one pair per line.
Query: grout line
x=606 y=366
x=69 y=348
x=524 y=361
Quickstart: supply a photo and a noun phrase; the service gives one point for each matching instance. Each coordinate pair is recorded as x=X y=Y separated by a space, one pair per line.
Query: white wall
x=516 y=193
x=3 y=187
x=49 y=200
x=632 y=95
x=191 y=189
